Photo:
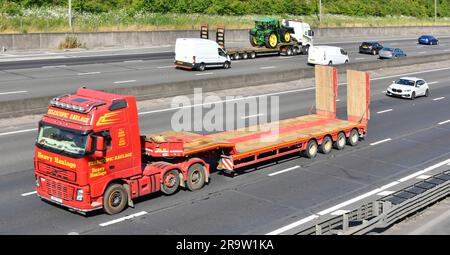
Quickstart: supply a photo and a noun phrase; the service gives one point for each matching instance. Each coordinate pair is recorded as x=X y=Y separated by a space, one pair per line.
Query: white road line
x=18 y=131
x=121 y=82
x=54 y=66
x=407 y=74
x=229 y=100
x=338 y=100
x=379 y=191
x=386 y=193
x=133 y=61
x=444 y=122
x=163 y=67
x=200 y=74
x=359 y=58
x=382 y=141
x=13 y=92
x=388 y=110
x=422 y=52
x=283 y=171
x=252 y=116
x=122 y=219
x=340 y=212
x=433 y=82
x=423 y=177
x=29 y=193
x=293 y=225
x=439 y=98
x=89 y=73
x=384 y=91
x=267 y=67
x=447 y=50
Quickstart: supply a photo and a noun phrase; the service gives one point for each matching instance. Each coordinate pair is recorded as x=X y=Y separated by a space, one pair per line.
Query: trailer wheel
x=170 y=182
x=244 y=55
x=201 y=67
x=311 y=149
x=340 y=141
x=326 y=146
x=196 y=177
x=236 y=56
x=226 y=65
x=289 y=51
x=252 y=55
x=353 y=138
x=115 y=199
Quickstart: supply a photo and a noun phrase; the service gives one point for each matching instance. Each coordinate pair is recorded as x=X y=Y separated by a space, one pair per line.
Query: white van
x=327 y=55
x=196 y=53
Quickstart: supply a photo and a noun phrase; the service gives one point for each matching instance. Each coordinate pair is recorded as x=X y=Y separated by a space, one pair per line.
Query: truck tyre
x=196 y=177
x=115 y=199
x=226 y=65
x=353 y=138
x=201 y=67
x=244 y=55
x=253 y=41
x=271 y=41
x=252 y=55
x=289 y=51
x=170 y=182
x=340 y=141
x=326 y=146
x=236 y=56
x=311 y=149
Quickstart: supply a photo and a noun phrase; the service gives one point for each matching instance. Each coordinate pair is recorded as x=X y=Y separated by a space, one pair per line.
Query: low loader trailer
x=90 y=154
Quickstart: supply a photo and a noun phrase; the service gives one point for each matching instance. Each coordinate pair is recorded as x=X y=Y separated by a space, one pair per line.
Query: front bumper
x=396 y=94
x=185 y=65
x=64 y=194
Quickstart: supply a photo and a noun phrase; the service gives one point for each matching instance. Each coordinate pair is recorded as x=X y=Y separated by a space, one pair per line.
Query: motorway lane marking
x=13 y=92
x=29 y=193
x=88 y=73
x=444 y=122
x=384 y=91
x=359 y=58
x=252 y=116
x=338 y=100
x=424 y=171
x=18 y=132
x=122 y=219
x=293 y=225
x=439 y=98
x=340 y=212
x=433 y=82
x=283 y=171
x=422 y=52
x=163 y=67
x=133 y=61
x=406 y=74
x=121 y=82
x=386 y=193
x=388 y=110
x=382 y=141
x=200 y=74
x=447 y=50
x=423 y=177
x=267 y=67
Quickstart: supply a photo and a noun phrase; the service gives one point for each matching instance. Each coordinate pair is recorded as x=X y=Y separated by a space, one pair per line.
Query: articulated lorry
x=90 y=153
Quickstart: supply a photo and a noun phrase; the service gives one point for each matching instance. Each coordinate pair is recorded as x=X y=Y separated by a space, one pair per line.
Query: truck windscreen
x=62 y=141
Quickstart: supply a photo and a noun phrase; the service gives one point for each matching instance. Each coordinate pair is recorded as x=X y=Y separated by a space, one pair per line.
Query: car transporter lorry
x=90 y=154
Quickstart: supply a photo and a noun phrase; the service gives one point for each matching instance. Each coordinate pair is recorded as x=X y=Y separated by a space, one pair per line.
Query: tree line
x=380 y=8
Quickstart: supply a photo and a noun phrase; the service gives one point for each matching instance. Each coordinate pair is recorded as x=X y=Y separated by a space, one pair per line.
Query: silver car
x=391 y=53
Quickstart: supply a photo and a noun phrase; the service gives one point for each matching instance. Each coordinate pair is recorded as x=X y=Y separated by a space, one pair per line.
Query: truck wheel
x=353 y=138
x=170 y=182
x=196 y=177
x=326 y=146
x=201 y=67
x=236 y=56
x=289 y=51
x=115 y=199
x=252 y=55
x=271 y=41
x=244 y=55
x=311 y=149
x=340 y=141
x=226 y=65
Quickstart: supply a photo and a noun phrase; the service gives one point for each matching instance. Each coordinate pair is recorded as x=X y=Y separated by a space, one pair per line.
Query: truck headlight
x=80 y=195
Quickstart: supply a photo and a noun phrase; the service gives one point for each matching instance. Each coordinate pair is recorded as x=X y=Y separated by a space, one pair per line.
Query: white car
x=327 y=55
x=408 y=87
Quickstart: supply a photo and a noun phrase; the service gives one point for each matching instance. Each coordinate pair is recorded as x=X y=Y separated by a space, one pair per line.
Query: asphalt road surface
x=404 y=137
x=134 y=68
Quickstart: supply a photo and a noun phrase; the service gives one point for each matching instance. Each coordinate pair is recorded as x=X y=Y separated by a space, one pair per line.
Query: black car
x=370 y=48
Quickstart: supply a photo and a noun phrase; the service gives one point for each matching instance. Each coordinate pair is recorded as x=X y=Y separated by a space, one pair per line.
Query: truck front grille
x=59 y=190
x=56 y=172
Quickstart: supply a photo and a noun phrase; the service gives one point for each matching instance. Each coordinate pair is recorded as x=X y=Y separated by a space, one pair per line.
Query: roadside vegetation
x=26 y=16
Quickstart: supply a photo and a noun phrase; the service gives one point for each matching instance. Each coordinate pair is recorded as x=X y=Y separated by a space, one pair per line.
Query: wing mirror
x=100 y=147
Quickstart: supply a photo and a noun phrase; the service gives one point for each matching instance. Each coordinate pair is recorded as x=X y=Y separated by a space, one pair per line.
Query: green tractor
x=269 y=32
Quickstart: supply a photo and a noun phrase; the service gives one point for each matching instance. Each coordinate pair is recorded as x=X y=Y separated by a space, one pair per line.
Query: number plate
x=56 y=199
x=180 y=62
